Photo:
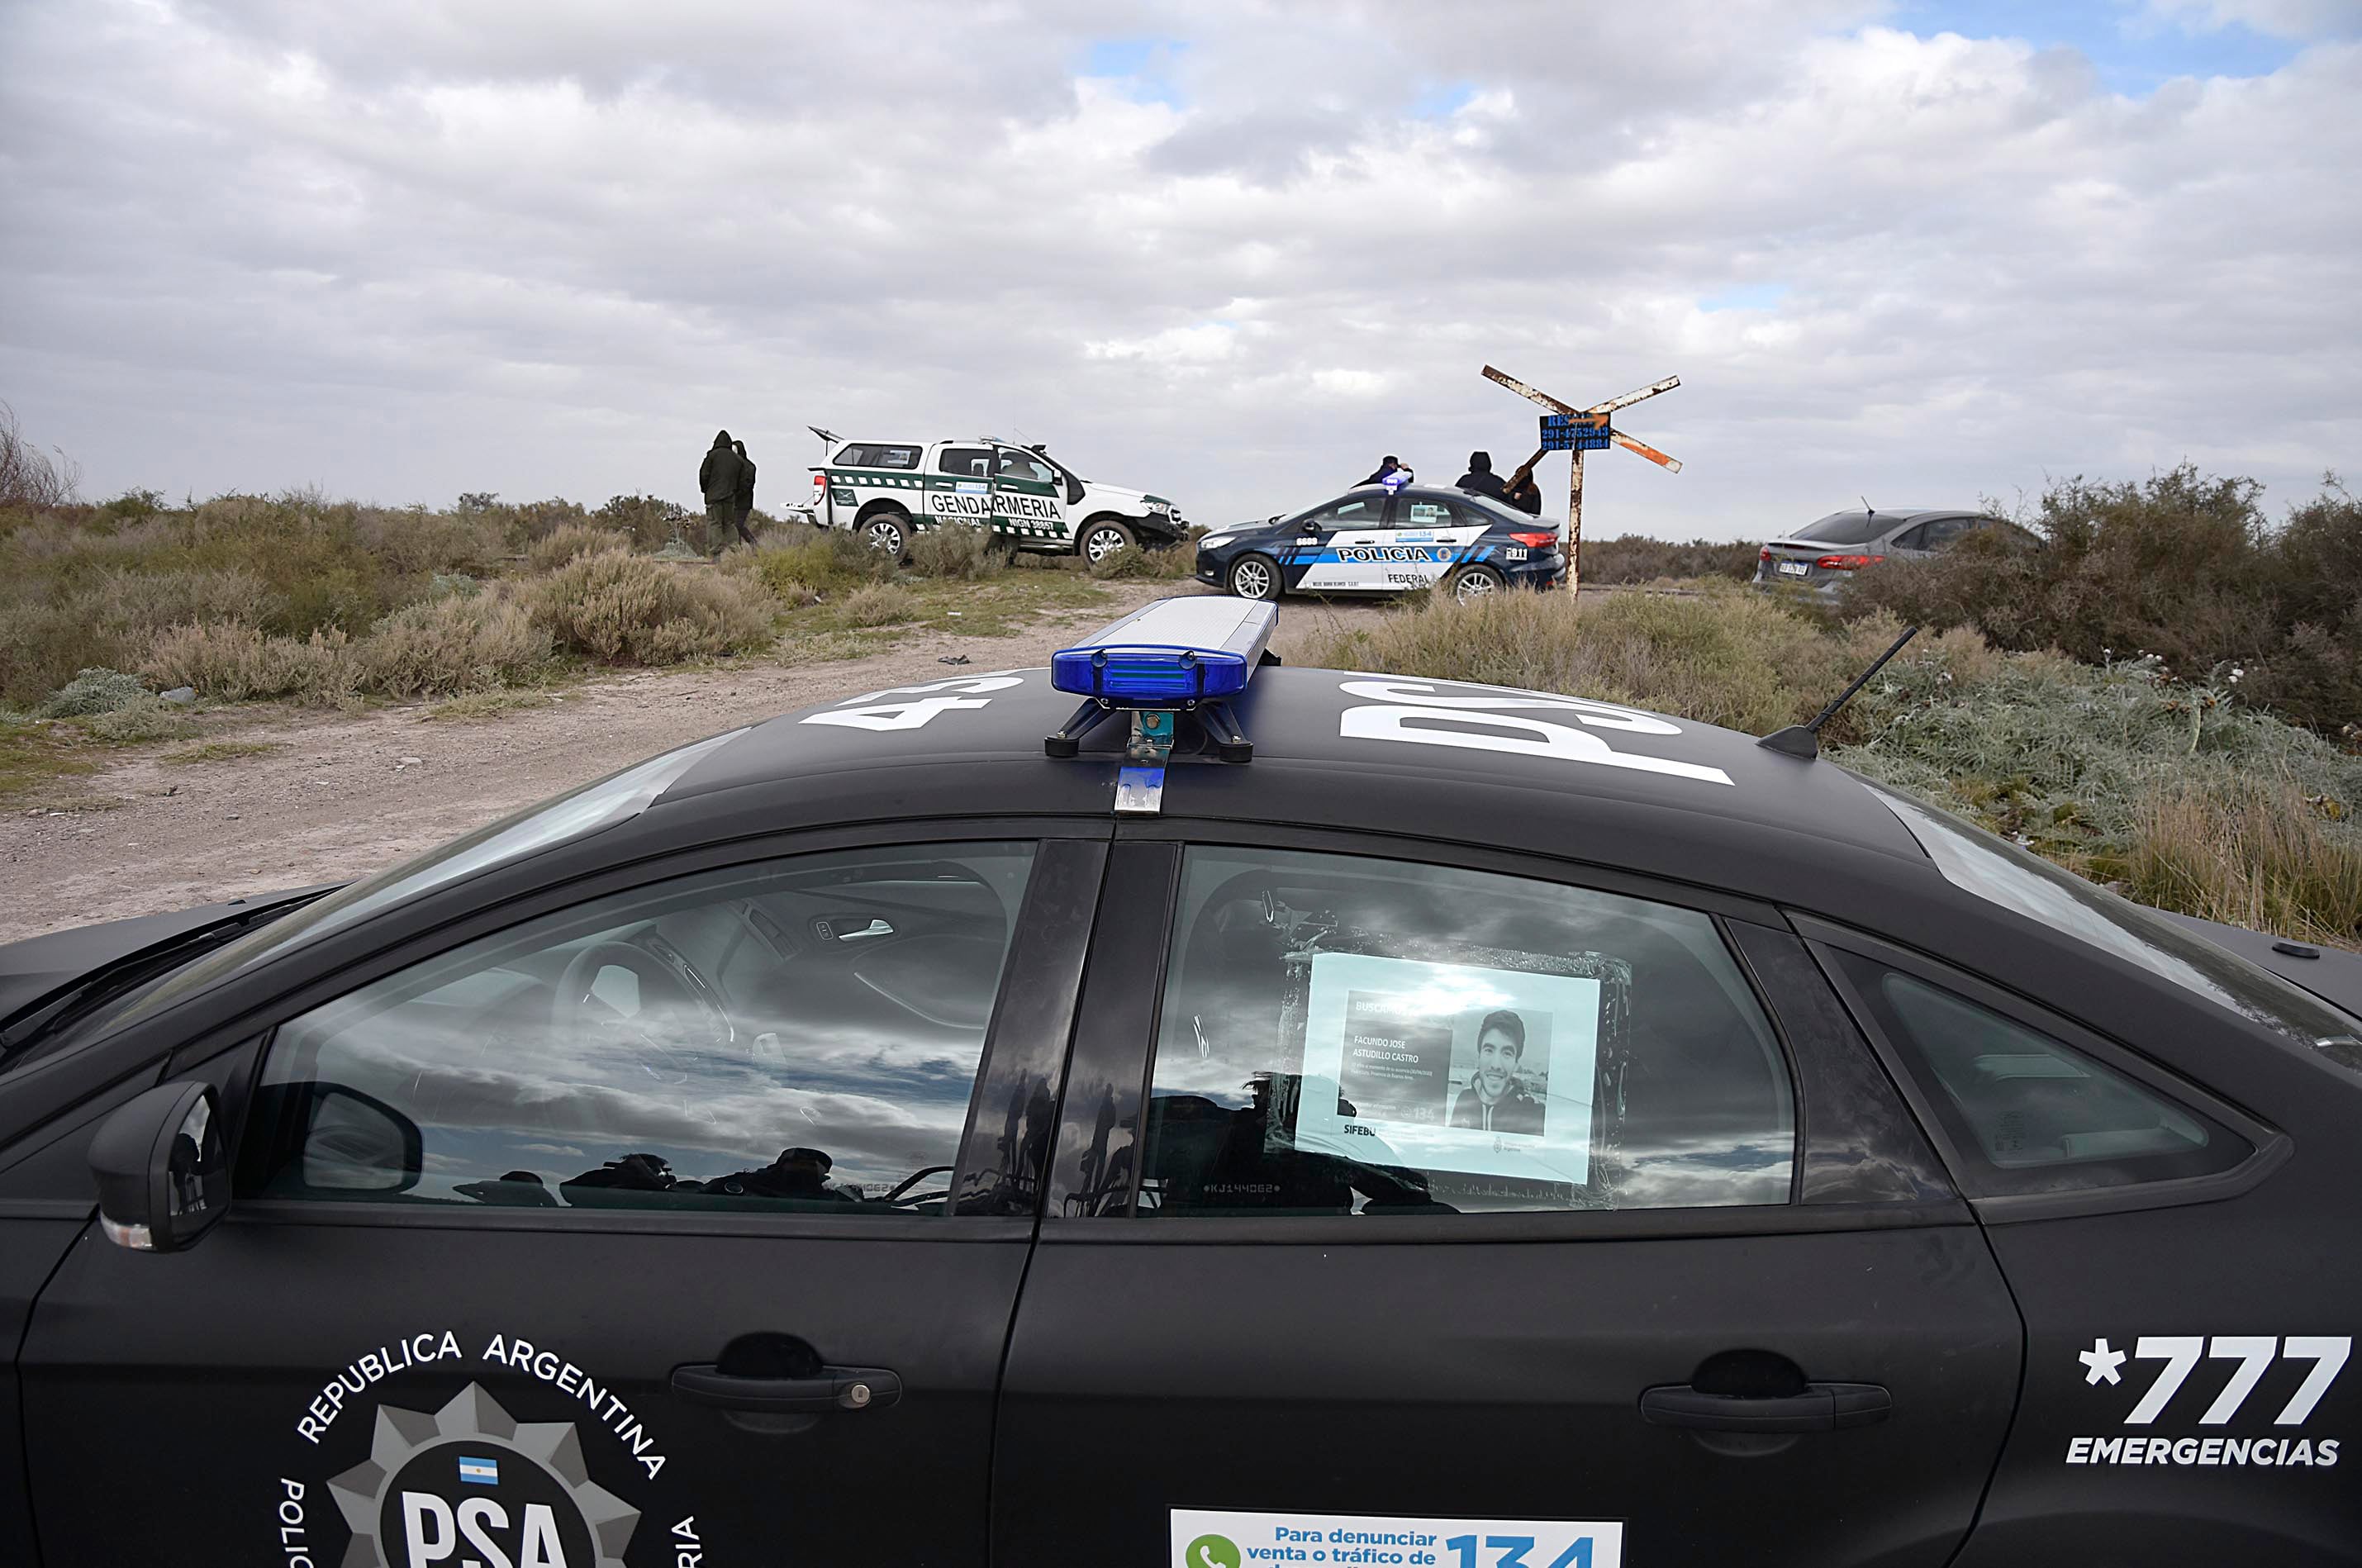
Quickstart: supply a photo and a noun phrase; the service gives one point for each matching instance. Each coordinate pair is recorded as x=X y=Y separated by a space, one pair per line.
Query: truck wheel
x=889 y=531
x=1477 y=582
x=1255 y=576
x=1101 y=540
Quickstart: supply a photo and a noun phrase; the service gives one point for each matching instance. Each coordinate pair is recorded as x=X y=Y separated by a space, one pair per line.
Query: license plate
x=1793 y=568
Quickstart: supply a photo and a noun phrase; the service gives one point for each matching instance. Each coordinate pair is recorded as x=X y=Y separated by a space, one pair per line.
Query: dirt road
x=350 y=793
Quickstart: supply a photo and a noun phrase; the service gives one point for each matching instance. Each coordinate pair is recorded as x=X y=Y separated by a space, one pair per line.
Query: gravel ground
x=351 y=793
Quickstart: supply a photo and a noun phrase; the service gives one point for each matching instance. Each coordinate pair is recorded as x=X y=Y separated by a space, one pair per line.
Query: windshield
x=575 y=814
x=1501 y=511
x=2000 y=872
x=1850 y=527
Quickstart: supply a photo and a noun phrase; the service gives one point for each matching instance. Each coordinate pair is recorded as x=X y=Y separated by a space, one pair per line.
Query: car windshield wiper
x=57 y=1011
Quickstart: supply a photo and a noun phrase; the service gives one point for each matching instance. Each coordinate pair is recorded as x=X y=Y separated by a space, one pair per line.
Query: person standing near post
x=1481 y=478
x=745 y=493
x=718 y=476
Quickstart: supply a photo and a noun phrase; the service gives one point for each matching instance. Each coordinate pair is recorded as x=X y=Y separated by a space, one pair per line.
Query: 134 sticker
x=2252 y=1361
x=1211 y=1538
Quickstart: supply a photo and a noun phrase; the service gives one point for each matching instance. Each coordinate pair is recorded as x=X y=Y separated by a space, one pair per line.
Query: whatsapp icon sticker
x=1211 y=1551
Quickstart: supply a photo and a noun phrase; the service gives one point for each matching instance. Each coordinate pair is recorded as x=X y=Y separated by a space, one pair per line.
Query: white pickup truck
x=889 y=490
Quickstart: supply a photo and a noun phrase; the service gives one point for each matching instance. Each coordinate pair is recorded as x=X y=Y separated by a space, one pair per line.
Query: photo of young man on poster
x=1496 y=1098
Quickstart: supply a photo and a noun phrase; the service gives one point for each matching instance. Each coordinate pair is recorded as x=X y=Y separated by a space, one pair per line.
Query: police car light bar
x=1174 y=653
x=1174 y=656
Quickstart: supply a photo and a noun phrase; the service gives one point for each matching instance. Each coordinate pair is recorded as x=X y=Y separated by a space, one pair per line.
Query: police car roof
x=1334 y=749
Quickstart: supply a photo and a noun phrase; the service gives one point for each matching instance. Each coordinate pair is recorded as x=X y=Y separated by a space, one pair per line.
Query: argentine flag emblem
x=482 y=1472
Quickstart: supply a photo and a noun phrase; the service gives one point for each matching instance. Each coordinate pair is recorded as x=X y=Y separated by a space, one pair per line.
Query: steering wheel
x=895 y=1197
x=574 y=1011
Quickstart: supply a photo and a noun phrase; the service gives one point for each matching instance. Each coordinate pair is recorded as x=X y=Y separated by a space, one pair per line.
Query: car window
x=1943 y=531
x=1024 y=466
x=802 y=1034
x=877 y=455
x=1849 y=528
x=1354 y=511
x=1911 y=538
x=1341 y=1035
x=2026 y=1112
x=969 y=462
x=1421 y=512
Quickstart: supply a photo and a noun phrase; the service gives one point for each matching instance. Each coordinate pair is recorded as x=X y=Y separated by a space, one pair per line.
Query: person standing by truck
x=718 y=478
x=745 y=493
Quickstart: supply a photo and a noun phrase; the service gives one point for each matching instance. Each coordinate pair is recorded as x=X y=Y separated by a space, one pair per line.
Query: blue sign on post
x=1574 y=432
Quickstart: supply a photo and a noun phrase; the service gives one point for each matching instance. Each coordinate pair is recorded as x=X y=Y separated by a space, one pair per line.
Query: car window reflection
x=804 y=1036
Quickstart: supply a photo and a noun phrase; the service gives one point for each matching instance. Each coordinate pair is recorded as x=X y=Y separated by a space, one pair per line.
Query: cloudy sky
x=1228 y=250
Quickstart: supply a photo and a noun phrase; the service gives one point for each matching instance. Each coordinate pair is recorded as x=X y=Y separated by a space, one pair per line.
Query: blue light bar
x=1170 y=653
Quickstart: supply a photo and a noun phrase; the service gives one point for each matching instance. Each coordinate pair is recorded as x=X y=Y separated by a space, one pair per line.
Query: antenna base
x=1796 y=740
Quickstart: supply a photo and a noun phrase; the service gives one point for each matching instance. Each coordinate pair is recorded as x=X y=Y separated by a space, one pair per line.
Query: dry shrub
x=960 y=552
x=567 y=541
x=2249 y=851
x=233 y=663
x=29 y=477
x=1633 y=557
x=1167 y=565
x=821 y=560
x=623 y=608
x=444 y=646
x=649 y=520
x=1722 y=657
x=879 y=604
x=415 y=541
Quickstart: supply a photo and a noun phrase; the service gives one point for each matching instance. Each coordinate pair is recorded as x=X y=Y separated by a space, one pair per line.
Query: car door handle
x=835 y=1388
x=1822 y=1407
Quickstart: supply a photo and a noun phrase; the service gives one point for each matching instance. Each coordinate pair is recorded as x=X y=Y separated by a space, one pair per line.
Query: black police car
x=1371 y=540
x=1246 y=1115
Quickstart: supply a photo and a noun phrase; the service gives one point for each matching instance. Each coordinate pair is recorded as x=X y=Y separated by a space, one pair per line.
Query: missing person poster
x=1450 y=1067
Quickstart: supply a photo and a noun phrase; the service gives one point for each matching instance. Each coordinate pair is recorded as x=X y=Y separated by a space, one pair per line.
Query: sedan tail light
x=1536 y=541
x=1848 y=563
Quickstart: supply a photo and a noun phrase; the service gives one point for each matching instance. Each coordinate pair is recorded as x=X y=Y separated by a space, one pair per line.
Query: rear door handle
x=1822 y=1407
x=835 y=1388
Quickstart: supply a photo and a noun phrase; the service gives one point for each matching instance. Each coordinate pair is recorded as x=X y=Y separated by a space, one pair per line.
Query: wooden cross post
x=1594 y=421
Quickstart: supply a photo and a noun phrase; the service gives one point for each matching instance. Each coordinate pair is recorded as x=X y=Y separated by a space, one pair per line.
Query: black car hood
x=2335 y=977
x=33 y=968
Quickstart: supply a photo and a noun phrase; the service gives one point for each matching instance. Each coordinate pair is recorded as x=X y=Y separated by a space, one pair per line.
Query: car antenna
x=1805 y=740
x=1869 y=513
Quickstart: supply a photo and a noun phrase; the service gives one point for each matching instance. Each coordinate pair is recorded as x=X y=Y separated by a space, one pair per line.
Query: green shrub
x=821 y=560
x=620 y=608
x=92 y=692
x=2181 y=565
x=960 y=552
x=145 y=718
x=444 y=646
x=566 y=542
x=233 y=663
x=415 y=542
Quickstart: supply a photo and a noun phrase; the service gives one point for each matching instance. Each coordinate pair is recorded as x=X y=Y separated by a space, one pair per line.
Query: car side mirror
x=162 y=1169
x=356 y=1143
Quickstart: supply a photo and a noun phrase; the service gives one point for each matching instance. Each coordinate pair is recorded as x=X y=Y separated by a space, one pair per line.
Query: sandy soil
x=350 y=793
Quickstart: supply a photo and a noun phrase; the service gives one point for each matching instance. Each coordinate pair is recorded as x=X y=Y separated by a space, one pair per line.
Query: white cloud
x=407 y=250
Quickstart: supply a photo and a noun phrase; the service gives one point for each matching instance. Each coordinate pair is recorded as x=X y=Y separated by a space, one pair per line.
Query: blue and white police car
x=1169 y=1109
x=1373 y=540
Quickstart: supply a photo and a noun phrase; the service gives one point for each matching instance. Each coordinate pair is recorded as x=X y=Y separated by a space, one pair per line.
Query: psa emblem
x=467 y=1484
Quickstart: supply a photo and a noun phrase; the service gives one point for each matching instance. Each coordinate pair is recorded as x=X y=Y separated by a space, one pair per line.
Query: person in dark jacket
x=1481 y=478
x=745 y=493
x=718 y=476
x=1385 y=467
x=1523 y=494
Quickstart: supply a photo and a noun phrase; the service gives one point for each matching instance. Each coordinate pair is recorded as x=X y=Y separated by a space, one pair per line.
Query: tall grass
x=2178 y=792
x=619 y=608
